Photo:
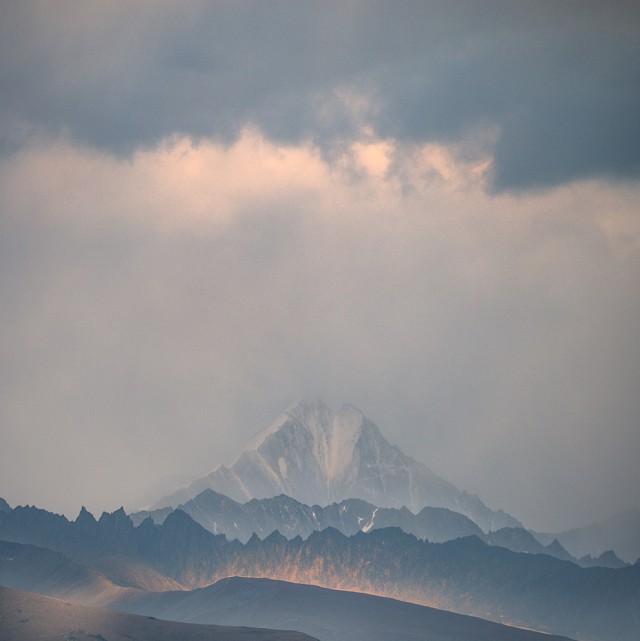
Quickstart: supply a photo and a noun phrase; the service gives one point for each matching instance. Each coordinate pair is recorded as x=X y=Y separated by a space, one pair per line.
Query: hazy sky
x=430 y=210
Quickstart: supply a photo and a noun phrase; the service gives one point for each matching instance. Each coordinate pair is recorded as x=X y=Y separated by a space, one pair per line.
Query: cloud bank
x=557 y=82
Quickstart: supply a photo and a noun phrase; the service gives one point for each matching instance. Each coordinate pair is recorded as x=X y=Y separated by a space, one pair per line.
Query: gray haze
x=429 y=210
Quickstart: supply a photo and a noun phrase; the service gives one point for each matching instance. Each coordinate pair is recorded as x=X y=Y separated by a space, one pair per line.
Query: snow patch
x=368 y=526
x=345 y=429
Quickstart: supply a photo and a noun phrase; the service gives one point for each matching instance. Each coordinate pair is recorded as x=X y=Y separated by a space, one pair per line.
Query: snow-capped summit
x=331 y=438
x=318 y=456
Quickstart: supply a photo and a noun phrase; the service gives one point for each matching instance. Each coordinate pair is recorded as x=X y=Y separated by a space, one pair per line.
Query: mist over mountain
x=620 y=532
x=429 y=209
x=160 y=562
x=318 y=456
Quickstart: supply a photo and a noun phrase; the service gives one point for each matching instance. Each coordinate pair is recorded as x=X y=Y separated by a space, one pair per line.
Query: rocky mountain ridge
x=221 y=515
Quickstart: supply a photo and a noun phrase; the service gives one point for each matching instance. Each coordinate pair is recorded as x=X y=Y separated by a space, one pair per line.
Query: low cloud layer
x=209 y=211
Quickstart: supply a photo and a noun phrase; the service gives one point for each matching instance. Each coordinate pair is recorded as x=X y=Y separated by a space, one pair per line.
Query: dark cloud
x=558 y=81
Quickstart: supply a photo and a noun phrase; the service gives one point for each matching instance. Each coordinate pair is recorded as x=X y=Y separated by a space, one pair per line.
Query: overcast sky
x=430 y=210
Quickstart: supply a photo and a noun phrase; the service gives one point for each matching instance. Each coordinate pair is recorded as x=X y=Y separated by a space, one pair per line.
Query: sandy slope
x=25 y=616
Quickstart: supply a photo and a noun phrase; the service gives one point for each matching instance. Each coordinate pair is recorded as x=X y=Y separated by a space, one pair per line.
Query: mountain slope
x=329 y=615
x=95 y=580
x=30 y=617
x=318 y=456
x=37 y=569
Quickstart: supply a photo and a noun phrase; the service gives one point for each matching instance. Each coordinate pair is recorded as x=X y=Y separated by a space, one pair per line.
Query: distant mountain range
x=620 y=532
x=318 y=456
x=221 y=515
x=115 y=560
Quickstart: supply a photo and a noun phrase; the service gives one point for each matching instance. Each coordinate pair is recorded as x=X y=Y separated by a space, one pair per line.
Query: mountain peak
x=309 y=405
x=317 y=407
x=85 y=517
x=320 y=456
x=310 y=413
x=329 y=436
